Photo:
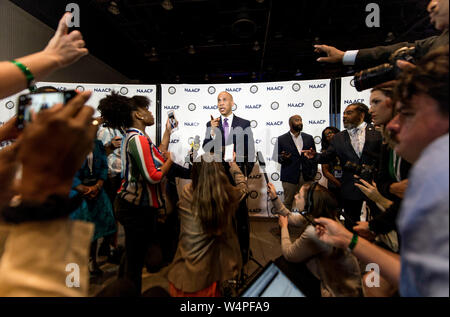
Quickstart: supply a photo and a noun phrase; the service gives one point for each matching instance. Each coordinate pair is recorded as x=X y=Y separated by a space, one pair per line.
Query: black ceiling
x=224 y=48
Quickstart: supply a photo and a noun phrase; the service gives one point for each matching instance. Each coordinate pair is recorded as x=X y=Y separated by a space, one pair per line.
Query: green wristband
x=28 y=74
x=352 y=244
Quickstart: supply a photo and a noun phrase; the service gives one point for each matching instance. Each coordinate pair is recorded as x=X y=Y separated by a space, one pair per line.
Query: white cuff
x=349 y=57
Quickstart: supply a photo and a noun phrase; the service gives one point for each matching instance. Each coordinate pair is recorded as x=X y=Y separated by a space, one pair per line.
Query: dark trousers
x=139 y=224
x=352 y=209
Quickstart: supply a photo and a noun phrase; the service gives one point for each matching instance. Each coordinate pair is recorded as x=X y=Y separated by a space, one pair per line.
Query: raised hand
x=333 y=54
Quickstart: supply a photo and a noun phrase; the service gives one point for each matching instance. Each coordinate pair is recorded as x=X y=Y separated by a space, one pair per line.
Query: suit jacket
x=341 y=146
x=291 y=167
x=241 y=135
x=374 y=56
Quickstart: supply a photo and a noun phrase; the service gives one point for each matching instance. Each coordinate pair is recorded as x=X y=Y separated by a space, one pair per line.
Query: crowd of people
x=67 y=184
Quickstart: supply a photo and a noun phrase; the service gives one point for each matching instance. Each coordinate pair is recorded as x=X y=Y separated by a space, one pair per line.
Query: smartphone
x=229 y=149
x=173 y=122
x=31 y=104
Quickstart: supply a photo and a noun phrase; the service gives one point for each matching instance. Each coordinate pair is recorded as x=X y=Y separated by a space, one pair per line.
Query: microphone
x=262 y=164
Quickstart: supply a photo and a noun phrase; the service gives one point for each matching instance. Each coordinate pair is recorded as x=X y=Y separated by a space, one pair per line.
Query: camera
x=374 y=76
x=364 y=171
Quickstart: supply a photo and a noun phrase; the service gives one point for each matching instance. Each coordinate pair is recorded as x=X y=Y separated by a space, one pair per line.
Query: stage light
x=113 y=8
x=167 y=5
x=256 y=46
x=191 y=50
x=230 y=78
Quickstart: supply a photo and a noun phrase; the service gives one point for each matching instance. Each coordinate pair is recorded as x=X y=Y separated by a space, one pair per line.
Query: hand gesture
x=333 y=54
x=283 y=221
x=362 y=229
x=370 y=190
x=332 y=232
x=271 y=191
x=309 y=153
x=214 y=124
x=9 y=131
x=285 y=155
x=116 y=142
x=49 y=167
x=398 y=189
x=66 y=48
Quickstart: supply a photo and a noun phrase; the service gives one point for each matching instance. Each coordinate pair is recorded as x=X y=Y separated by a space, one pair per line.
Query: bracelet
x=28 y=74
x=273 y=199
x=352 y=244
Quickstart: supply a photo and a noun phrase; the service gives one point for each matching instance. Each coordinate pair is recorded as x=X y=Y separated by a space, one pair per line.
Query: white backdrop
x=267 y=105
x=8 y=106
x=350 y=95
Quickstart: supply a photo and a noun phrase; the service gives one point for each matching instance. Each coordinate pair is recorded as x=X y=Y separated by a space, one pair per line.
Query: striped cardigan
x=141 y=173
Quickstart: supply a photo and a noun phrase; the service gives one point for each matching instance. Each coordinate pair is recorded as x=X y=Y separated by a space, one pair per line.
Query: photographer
x=370 y=57
x=358 y=148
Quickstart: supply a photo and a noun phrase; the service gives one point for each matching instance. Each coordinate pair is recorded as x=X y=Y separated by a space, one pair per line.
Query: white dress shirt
x=358 y=137
x=298 y=140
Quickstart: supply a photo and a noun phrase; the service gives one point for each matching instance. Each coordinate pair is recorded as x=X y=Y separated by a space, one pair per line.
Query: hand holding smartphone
x=30 y=105
x=173 y=122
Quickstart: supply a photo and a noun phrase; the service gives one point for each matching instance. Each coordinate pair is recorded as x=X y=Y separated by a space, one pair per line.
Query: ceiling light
x=256 y=46
x=191 y=50
x=167 y=5
x=113 y=8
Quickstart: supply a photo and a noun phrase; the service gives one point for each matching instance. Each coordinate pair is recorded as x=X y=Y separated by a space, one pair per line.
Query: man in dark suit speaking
x=231 y=129
x=359 y=145
x=296 y=169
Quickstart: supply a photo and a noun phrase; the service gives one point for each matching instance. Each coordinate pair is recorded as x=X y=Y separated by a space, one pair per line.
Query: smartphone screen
x=31 y=104
x=229 y=149
x=173 y=122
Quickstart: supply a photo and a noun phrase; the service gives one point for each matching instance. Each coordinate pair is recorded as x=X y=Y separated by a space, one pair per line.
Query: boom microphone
x=262 y=164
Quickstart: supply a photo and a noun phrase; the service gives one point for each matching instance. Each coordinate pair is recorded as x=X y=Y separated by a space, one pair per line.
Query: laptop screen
x=272 y=283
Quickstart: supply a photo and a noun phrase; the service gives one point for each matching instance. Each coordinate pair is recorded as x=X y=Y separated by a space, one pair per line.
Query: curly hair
x=116 y=109
x=325 y=144
x=430 y=77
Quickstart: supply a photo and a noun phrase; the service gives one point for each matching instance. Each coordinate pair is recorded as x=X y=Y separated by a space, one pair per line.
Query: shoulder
x=306 y=136
x=241 y=121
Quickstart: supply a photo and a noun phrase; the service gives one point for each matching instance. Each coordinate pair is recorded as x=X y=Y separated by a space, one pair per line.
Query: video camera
x=374 y=76
x=364 y=171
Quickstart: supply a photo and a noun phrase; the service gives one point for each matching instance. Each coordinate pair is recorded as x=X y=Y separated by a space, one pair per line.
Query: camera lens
x=371 y=77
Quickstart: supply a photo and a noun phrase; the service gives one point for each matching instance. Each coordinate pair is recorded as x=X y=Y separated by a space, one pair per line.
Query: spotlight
x=191 y=50
x=113 y=8
x=256 y=46
x=167 y=5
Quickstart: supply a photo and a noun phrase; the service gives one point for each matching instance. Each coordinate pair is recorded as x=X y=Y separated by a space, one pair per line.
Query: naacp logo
x=192 y=89
x=318 y=176
x=279 y=88
x=296 y=105
x=316 y=121
x=254 y=89
x=214 y=107
x=124 y=90
x=253 y=124
x=274 y=140
x=176 y=107
x=174 y=141
x=296 y=87
x=317 y=86
x=233 y=89
x=143 y=91
x=348 y=102
x=255 y=176
x=102 y=89
x=273 y=123
x=352 y=82
x=191 y=124
x=253 y=106
x=9 y=105
x=172 y=90
x=275 y=176
x=211 y=90
x=80 y=88
x=317 y=104
x=275 y=105
x=192 y=107
x=234 y=107
x=254 y=194
x=317 y=139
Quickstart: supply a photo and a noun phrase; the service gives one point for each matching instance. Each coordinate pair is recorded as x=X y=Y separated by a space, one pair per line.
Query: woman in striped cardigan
x=143 y=167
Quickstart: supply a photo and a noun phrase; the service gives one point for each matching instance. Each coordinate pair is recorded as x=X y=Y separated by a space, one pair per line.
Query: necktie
x=226 y=128
x=357 y=145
